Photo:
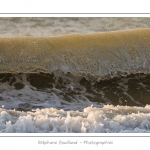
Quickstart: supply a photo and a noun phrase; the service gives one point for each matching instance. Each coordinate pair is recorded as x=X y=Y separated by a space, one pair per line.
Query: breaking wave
x=76 y=82
x=112 y=53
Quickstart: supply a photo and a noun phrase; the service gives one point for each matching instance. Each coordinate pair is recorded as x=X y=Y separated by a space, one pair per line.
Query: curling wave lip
x=104 y=53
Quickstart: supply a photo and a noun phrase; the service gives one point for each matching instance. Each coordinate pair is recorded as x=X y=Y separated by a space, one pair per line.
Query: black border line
x=74 y=136
x=79 y=13
x=87 y=16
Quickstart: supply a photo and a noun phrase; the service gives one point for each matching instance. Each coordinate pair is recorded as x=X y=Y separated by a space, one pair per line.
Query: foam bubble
x=91 y=120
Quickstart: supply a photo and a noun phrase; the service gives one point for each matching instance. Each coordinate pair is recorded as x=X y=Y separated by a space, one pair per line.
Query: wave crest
x=103 y=54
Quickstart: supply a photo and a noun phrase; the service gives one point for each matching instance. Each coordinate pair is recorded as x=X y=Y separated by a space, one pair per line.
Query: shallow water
x=29 y=91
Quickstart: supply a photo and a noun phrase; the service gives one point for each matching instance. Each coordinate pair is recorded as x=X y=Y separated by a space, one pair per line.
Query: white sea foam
x=91 y=120
x=50 y=26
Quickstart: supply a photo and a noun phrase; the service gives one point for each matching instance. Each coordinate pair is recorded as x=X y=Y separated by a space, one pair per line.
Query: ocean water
x=80 y=75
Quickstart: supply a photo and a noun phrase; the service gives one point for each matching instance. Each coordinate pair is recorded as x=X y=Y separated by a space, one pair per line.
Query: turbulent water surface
x=82 y=80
